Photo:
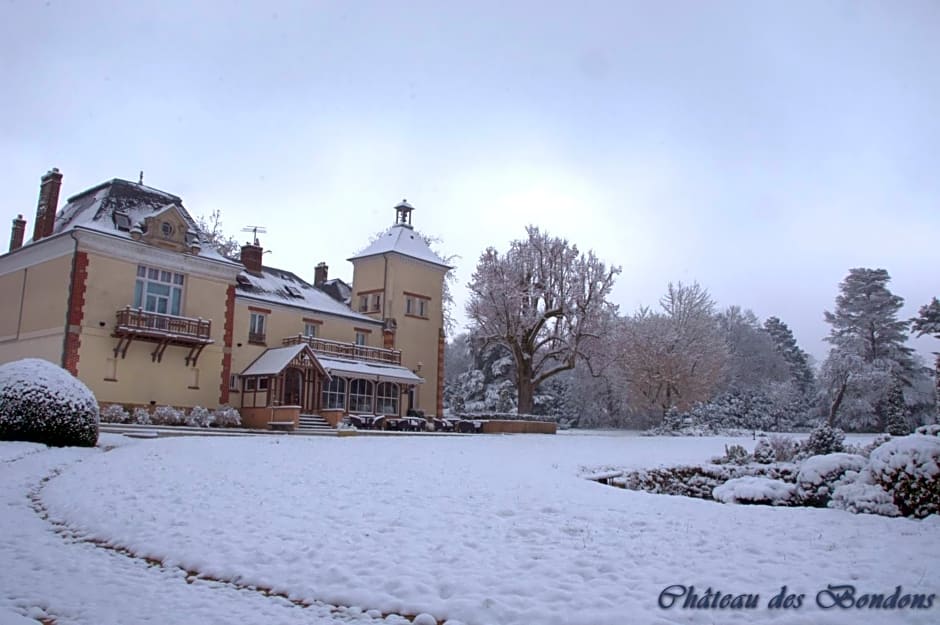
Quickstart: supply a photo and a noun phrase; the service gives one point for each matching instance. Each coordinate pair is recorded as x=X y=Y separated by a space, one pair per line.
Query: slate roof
x=117 y=205
x=402 y=239
x=279 y=286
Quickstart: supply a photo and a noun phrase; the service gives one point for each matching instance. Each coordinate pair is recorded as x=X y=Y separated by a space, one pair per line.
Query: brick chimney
x=319 y=274
x=19 y=231
x=251 y=257
x=48 y=204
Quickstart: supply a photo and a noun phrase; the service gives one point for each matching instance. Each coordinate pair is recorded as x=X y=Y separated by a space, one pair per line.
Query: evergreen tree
x=896 y=411
x=927 y=321
x=867 y=338
x=796 y=359
x=866 y=319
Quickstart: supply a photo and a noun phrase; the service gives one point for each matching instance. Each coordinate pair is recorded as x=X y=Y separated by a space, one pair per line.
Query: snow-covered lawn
x=480 y=530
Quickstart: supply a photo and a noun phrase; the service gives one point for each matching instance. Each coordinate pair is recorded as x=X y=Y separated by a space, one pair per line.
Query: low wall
x=333 y=417
x=258 y=418
x=519 y=427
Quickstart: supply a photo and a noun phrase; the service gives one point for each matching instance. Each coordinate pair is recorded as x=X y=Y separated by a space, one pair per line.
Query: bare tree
x=544 y=301
x=214 y=235
x=677 y=357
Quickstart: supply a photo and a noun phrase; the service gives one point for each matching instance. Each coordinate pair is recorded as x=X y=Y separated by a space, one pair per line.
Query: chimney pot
x=19 y=231
x=251 y=257
x=320 y=274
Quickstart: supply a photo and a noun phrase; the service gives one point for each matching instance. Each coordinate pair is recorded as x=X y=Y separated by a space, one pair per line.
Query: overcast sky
x=759 y=148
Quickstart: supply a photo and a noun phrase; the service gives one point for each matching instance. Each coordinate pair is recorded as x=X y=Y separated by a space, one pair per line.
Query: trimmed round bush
x=857 y=493
x=818 y=475
x=909 y=469
x=43 y=403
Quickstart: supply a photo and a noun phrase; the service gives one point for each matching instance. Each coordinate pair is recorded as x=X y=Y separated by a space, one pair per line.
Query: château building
x=120 y=288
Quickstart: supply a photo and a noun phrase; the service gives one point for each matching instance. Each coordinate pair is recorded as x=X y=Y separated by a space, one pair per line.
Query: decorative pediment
x=168 y=229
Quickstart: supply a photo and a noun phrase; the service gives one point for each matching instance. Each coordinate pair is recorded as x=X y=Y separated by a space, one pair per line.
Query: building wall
x=416 y=337
x=33 y=308
x=285 y=321
x=137 y=379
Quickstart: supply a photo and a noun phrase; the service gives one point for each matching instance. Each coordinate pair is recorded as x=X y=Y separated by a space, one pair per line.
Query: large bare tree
x=545 y=302
x=676 y=357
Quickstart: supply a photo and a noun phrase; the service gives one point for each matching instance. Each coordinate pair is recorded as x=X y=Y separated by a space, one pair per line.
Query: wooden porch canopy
x=273 y=361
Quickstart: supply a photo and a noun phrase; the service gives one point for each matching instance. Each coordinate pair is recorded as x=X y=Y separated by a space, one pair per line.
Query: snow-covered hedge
x=226 y=417
x=168 y=415
x=698 y=481
x=929 y=430
x=141 y=416
x=199 y=417
x=909 y=469
x=115 y=413
x=818 y=475
x=756 y=490
x=43 y=403
x=856 y=492
x=504 y=416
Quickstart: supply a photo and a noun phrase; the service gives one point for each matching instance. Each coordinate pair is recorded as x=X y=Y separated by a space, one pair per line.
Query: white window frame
x=234 y=382
x=158 y=279
x=387 y=397
x=310 y=329
x=361 y=338
x=257 y=326
x=333 y=396
x=361 y=395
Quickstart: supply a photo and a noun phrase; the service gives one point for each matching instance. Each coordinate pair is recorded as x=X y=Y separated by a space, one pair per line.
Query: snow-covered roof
x=369 y=370
x=402 y=239
x=279 y=286
x=274 y=360
x=117 y=206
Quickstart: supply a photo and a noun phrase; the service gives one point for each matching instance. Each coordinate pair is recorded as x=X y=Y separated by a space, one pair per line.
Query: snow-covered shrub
x=199 y=417
x=785 y=448
x=141 y=416
x=115 y=413
x=734 y=454
x=865 y=450
x=856 y=492
x=226 y=417
x=818 y=474
x=685 y=481
x=763 y=452
x=168 y=415
x=43 y=403
x=909 y=468
x=756 y=490
x=929 y=430
x=824 y=440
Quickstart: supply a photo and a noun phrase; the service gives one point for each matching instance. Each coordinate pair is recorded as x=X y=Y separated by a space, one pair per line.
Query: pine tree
x=867 y=338
x=865 y=319
x=927 y=321
x=796 y=358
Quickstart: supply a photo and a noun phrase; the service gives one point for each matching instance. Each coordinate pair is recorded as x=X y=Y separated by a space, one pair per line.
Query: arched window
x=360 y=396
x=334 y=394
x=387 y=395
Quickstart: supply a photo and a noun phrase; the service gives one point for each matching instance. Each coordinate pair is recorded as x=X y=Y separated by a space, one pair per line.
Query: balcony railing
x=179 y=330
x=347 y=350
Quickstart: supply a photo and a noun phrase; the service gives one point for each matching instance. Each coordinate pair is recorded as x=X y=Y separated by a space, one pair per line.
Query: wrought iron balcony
x=165 y=330
x=347 y=350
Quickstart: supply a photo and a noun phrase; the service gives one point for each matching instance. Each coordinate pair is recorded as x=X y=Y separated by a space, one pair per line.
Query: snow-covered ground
x=479 y=530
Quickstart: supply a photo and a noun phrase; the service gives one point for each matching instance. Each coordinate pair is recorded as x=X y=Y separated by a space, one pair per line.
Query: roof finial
x=141 y=181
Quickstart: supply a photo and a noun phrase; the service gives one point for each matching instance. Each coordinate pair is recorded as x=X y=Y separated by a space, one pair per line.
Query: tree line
x=545 y=339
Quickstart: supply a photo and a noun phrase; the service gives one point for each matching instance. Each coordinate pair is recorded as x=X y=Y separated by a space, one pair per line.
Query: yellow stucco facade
x=132 y=305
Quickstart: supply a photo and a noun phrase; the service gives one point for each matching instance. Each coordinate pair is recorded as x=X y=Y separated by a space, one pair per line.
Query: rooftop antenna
x=141 y=181
x=254 y=230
